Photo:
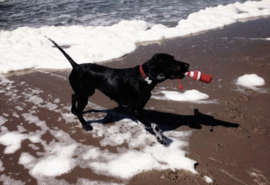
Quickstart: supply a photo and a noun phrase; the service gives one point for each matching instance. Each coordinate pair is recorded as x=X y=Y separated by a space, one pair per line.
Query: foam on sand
x=208 y=180
x=7 y=180
x=1 y=166
x=264 y=39
x=193 y=96
x=83 y=181
x=130 y=161
x=136 y=150
x=251 y=81
x=2 y=120
x=55 y=165
x=27 y=47
x=12 y=141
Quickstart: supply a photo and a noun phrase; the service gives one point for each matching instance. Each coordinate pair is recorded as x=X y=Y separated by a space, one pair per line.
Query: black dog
x=130 y=88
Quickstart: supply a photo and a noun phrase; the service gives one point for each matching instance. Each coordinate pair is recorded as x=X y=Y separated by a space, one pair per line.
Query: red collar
x=146 y=78
x=142 y=72
x=150 y=81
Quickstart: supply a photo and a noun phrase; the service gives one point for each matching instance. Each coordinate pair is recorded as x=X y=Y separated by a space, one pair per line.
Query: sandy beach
x=229 y=132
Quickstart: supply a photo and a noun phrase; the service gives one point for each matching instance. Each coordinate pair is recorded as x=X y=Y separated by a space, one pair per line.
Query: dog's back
x=121 y=85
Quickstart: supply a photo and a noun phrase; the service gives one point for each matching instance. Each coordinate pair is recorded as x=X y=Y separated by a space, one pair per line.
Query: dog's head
x=163 y=66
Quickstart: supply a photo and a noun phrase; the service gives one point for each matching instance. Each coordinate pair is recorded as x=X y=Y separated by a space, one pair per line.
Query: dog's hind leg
x=82 y=102
x=74 y=99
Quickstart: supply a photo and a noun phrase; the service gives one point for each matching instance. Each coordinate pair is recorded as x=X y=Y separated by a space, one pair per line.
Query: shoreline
x=225 y=153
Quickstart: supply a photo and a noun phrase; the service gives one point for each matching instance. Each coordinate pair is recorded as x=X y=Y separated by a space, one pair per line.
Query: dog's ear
x=158 y=59
x=155 y=57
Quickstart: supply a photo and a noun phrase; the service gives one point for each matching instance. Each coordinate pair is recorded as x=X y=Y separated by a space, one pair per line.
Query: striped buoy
x=199 y=76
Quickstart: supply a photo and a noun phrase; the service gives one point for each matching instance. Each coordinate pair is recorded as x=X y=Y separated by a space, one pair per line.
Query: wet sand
x=230 y=139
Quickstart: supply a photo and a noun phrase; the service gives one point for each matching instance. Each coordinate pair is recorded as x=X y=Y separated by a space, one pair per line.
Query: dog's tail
x=71 y=61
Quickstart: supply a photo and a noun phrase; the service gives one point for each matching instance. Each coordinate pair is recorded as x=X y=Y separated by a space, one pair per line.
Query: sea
x=37 y=13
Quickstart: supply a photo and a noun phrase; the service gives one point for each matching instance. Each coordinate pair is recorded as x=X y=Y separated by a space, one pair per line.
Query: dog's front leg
x=154 y=128
x=158 y=133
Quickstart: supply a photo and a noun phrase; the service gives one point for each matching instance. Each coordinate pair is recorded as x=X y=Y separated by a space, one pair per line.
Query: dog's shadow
x=196 y=121
x=166 y=121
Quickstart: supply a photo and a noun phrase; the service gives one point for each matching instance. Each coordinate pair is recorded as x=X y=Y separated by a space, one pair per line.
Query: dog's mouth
x=179 y=71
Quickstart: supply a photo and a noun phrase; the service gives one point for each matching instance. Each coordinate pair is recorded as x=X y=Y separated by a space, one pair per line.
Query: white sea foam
x=58 y=156
x=27 y=47
x=57 y=100
x=83 y=181
x=129 y=162
x=26 y=159
x=8 y=180
x=33 y=146
x=4 y=80
x=2 y=120
x=33 y=119
x=136 y=150
x=12 y=141
x=36 y=100
x=1 y=166
x=193 y=96
x=250 y=80
x=265 y=39
x=53 y=166
x=208 y=180
x=19 y=108
x=51 y=106
x=21 y=129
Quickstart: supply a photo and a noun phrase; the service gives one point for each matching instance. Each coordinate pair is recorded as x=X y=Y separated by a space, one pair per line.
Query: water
x=26 y=47
x=37 y=13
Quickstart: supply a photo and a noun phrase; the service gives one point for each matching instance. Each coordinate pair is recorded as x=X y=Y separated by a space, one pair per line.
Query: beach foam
x=2 y=120
x=264 y=39
x=83 y=181
x=12 y=141
x=130 y=161
x=28 y=48
x=136 y=150
x=1 y=166
x=7 y=180
x=208 y=179
x=54 y=165
x=193 y=96
x=250 y=81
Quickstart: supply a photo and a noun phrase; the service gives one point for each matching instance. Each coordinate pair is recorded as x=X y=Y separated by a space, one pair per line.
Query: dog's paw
x=158 y=133
x=74 y=111
x=163 y=141
x=87 y=127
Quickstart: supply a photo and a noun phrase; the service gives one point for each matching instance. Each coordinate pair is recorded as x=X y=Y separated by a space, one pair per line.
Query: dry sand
x=230 y=139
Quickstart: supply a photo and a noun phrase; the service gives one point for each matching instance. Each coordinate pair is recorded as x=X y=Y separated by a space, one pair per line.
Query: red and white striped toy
x=199 y=76
x=196 y=75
